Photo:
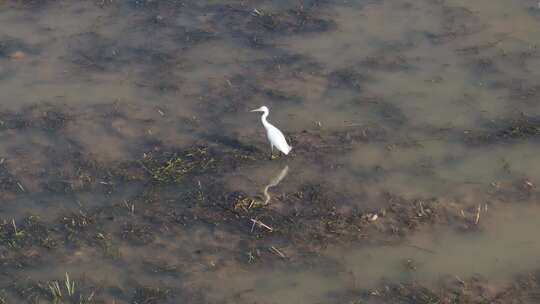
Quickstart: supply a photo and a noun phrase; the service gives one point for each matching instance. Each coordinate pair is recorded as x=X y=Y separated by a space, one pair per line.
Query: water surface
x=413 y=126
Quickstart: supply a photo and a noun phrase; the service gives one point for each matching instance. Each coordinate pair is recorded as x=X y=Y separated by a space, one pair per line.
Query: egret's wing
x=278 y=139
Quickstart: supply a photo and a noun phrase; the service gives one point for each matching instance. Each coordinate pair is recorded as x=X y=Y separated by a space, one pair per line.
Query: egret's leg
x=271 y=151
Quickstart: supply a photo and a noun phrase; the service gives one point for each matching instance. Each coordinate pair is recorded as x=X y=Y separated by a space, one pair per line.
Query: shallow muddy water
x=129 y=158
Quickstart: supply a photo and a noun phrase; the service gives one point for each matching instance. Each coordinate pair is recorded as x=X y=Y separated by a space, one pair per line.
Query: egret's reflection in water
x=276 y=180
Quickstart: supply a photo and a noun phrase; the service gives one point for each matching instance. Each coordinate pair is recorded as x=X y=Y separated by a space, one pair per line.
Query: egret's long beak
x=256 y=110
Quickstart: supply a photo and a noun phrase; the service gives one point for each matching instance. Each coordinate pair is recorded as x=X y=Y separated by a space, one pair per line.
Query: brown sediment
x=121 y=152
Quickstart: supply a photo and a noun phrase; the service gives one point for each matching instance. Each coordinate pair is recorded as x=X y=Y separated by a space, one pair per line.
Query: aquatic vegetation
x=56 y=290
x=173 y=167
x=150 y=295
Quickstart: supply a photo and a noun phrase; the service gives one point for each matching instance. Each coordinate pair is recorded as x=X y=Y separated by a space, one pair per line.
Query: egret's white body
x=275 y=137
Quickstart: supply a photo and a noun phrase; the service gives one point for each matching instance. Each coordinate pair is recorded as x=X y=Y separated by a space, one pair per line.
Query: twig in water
x=477 y=219
x=278 y=252
x=260 y=224
x=420 y=248
x=140 y=84
x=129 y=207
x=461 y=281
x=17 y=233
x=146 y=169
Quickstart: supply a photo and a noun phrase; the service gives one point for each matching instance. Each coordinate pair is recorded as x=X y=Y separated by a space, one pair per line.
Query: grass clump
x=151 y=295
x=173 y=167
x=56 y=289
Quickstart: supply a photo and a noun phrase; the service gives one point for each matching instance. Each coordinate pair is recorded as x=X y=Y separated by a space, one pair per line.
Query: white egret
x=275 y=137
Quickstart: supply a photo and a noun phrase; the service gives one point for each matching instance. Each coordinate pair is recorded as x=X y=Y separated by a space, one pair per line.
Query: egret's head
x=261 y=109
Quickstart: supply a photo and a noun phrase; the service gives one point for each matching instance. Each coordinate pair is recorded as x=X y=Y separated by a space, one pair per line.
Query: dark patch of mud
x=43 y=117
x=31 y=4
x=389 y=63
x=506 y=131
x=8 y=182
x=475 y=290
x=10 y=45
x=192 y=37
x=347 y=78
x=524 y=92
x=258 y=28
x=457 y=22
x=290 y=21
x=91 y=51
x=291 y=64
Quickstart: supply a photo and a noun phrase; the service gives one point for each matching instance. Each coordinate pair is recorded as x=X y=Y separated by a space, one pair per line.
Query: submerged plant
x=70 y=285
x=56 y=290
x=15 y=231
x=174 y=167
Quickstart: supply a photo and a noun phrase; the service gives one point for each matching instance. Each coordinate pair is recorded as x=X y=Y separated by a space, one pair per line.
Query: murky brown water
x=423 y=113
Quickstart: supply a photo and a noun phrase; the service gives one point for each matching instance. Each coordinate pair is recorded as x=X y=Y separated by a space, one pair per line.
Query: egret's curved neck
x=263 y=118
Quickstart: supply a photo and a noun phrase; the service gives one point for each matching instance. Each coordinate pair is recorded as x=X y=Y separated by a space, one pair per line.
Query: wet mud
x=131 y=170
